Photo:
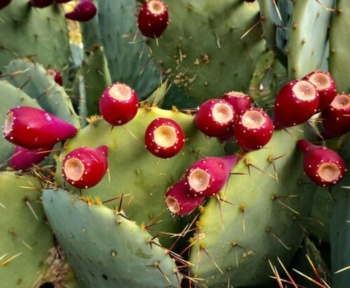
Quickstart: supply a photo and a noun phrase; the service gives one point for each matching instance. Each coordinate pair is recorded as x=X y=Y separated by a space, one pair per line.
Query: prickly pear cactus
x=125 y=230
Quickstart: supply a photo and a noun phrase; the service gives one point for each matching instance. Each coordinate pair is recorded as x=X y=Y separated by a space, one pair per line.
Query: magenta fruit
x=253 y=129
x=33 y=128
x=164 y=138
x=325 y=86
x=153 y=18
x=56 y=75
x=322 y=165
x=118 y=104
x=180 y=201
x=85 y=10
x=239 y=101
x=85 y=167
x=215 y=117
x=336 y=118
x=207 y=176
x=40 y=3
x=295 y=103
x=23 y=158
x=4 y=3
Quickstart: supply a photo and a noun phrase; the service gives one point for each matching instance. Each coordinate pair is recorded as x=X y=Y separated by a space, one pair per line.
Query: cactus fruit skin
x=85 y=10
x=215 y=117
x=153 y=18
x=239 y=101
x=253 y=129
x=84 y=167
x=180 y=200
x=118 y=104
x=23 y=158
x=335 y=119
x=296 y=102
x=326 y=86
x=15 y=97
x=115 y=254
x=226 y=250
x=207 y=176
x=322 y=165
x=164 y=137
x=33 y=128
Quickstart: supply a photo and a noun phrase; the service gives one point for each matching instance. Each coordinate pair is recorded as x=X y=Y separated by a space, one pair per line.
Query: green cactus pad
x=205 y=50
x=127 y=55
x=339 y=36
x=39 y=34
x=34 y=80
x=136 y=173
x=28 y=257
x=307 y=48
x=258 y=219
x=11 y=97
x=339 y=225
x=104 y=248
x=96 y=78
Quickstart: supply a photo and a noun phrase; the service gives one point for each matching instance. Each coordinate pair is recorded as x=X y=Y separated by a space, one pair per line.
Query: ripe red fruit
x=164 y=138
x=40 y=3
x=23 y=158
x=153 y=18
x=295 y=103
x=85 y=10
x=118 y=104
x=336 y=118
x=180 y=201
x=85 y=167
x=322 y=165
x=253 y=129
x=239 y=101
x=56 y=75
x=207 y=176
x=4 y=3
x=215 y=117
x=35 y=128
x=325 y=86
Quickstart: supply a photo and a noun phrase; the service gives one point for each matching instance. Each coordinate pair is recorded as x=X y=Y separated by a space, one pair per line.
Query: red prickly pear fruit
x=239 y=101
x=325 y=85
x=207 y=176
x=4 y=3
x=40 y=3
x=296 y=102
x=164 y=138
x=85 y=10
x=56 y=75
x=322 y=165
x=215 y=117
x=118 y=104
x=153 y=18
x=336 y=118
x=34 y=128
x=23 y=158
x=180 y=201
x=253 y=129
x=85 y=167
